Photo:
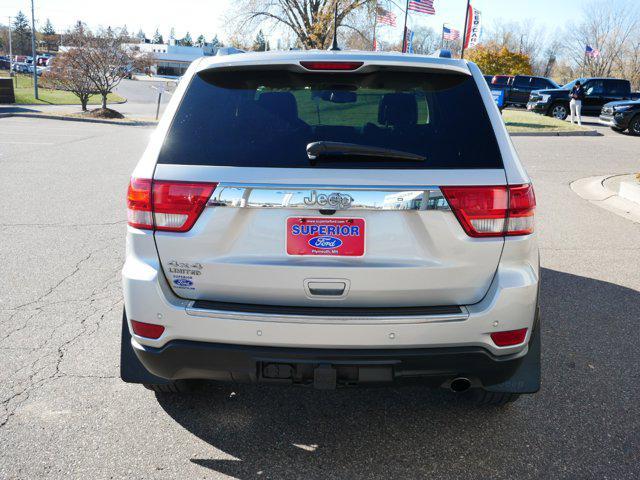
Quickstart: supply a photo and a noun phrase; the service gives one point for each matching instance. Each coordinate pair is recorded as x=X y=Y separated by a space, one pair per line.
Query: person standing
x=577 y=95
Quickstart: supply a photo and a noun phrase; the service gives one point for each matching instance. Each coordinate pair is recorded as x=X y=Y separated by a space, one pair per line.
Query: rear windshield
x=268 y=118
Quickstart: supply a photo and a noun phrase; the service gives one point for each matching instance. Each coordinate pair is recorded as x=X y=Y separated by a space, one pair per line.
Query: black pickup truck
x=515 y=90
x=597 y=92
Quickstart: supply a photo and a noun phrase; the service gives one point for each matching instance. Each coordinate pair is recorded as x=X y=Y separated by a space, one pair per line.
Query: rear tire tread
x=172 y=387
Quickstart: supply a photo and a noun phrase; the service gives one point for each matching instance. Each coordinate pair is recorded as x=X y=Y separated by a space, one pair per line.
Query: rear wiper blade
x=315 y=150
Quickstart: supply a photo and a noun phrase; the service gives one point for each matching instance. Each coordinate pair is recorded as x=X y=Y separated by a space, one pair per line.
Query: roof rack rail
x=228 y=51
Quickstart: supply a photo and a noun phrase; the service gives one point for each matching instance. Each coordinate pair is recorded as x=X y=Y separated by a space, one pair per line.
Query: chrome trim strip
x=326 y=197
x=329 y=320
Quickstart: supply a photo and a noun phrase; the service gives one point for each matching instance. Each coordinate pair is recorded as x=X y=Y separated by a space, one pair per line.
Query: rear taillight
x=493 y=211
x=148 y=330
x=139 y=203
x=165 y=205
x=509 y=338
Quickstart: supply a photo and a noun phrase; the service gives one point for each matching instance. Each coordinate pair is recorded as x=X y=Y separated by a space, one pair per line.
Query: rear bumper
x=329 y=368
x=509 y=304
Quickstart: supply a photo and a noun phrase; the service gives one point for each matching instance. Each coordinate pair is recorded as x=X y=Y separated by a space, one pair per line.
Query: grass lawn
x=24 y=94
x=518 y=121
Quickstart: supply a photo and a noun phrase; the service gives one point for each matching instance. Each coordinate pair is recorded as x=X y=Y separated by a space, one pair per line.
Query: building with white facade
x=172 y=60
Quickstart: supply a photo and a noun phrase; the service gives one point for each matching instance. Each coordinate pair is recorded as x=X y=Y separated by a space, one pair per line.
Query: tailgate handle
x=326 y=289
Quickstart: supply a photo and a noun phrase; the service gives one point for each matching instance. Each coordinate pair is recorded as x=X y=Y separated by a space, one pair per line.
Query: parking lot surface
x=65 y=413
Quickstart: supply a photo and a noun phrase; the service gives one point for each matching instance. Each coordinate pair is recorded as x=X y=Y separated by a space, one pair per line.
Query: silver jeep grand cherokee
x=332 y=219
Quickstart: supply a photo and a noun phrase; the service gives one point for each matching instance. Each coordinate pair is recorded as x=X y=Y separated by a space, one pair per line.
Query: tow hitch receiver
x=325 y=377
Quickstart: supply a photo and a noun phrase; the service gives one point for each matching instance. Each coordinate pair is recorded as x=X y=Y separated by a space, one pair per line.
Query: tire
x=634 y=126
x=559 y=111
x=495 y=399
x=616 y=129
x=179 y=386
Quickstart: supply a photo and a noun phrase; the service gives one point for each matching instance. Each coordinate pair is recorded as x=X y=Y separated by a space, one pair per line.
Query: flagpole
x=404 y=30
x=375 y=23
x=442 y=36
x=464 y=33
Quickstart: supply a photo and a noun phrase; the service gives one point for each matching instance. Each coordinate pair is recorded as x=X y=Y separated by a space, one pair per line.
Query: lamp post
x=10 y=51
x=33 y=52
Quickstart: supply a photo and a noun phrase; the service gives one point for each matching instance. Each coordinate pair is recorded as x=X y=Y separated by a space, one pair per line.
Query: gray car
x=332 y=219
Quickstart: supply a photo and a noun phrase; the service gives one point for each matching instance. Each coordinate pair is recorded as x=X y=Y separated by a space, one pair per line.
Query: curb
x=130 y=123
x=593 y=190
x=585 y=133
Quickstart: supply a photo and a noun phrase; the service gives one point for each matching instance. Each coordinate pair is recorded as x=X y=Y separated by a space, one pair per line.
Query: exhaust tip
x=460 y=384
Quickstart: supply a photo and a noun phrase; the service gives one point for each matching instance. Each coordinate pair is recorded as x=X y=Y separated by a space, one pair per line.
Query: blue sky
x=207 y=16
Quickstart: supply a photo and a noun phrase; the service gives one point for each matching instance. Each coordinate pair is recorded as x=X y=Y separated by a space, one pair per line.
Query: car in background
x=554 y=102
x=518 y=88
x=21 y=67
x=621 y=116
x=501 y=80
x=488 y=79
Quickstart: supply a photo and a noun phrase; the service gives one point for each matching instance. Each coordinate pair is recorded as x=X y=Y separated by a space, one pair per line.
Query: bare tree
x=523 y=37
x=611 y=28
x=105 y=60
x=310 y=20
x=64 y=76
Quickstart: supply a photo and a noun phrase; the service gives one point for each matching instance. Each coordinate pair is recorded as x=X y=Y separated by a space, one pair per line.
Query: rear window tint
x=267 y=119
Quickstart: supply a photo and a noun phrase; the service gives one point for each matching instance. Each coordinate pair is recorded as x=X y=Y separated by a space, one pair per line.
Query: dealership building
x=172 y=60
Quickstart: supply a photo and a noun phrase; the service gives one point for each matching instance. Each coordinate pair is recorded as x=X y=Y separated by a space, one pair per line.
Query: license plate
x=318 y=236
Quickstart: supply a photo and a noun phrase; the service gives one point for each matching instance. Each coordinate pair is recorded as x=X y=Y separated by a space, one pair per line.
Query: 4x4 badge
x=333 y=200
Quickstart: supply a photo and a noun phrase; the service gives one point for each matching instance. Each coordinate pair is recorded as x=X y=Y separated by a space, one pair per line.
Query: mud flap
x=527 y=376
x=131 y=369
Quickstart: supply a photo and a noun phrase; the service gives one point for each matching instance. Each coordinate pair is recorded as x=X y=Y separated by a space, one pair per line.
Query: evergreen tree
x=215 y=43
x=48 y=28
x=141 y=36
x=124 y=32
x=172 y=34
x=200 y=41
x=21 y=35
x=259 y=44
x=187 y=41
x=157 y=38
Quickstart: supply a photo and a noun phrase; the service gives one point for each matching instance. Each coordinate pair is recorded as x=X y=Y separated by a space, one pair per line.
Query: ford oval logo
x=183 y=282
x=325 y=242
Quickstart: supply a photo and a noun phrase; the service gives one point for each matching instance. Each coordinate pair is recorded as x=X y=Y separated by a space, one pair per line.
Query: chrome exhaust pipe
x=460 y=384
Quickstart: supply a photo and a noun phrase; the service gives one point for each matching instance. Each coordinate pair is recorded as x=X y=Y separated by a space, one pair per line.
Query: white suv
x=332 y=219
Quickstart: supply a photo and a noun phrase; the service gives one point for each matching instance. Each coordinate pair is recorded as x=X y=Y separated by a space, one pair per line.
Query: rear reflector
x=147 y=330
x=493 y=211
x=166 y=206
x=331 y=65
x=509 y=338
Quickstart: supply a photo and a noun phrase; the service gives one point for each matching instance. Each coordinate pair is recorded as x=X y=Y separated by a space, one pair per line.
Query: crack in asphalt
x=24 y=388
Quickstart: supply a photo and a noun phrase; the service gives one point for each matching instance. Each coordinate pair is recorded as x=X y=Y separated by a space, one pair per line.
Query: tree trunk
x=84 y=100
x=104 y=100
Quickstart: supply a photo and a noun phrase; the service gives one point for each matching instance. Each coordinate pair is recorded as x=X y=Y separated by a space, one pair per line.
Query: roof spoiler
x=228 y=51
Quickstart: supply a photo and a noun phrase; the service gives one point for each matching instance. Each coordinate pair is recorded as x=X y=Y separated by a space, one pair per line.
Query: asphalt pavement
x=64 y=413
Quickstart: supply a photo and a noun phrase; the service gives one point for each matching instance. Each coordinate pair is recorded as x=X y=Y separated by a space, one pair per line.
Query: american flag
x=450 y=33
x=591 y=52
x=422 y=6
x=385 y=17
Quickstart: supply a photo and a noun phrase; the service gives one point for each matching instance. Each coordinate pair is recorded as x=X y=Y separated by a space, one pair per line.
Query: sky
x=208 y=16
